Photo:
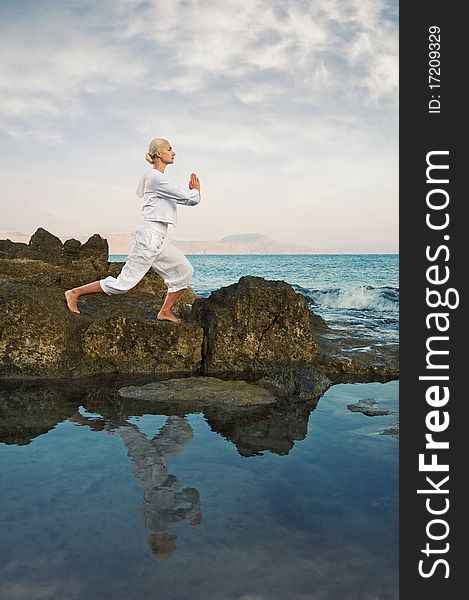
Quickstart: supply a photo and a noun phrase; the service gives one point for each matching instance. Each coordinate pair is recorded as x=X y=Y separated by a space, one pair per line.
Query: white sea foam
x=360 y=297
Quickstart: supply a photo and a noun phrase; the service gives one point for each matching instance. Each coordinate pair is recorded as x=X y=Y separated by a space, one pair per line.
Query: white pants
x=150 y=248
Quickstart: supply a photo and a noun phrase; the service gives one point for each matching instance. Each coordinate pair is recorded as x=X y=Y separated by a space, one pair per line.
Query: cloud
x=264 y=99
x=52 y=62
x=61 y=56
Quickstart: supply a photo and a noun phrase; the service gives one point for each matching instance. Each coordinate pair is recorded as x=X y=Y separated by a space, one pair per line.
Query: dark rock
x=254 y=325
x=94 y=247
x=303 y=383
x=256 y=329
x=347 y=358
x=9 y=249
x=40 y=337
x=30 y=272
x=46 y=246
x=33 y=338
x=72 y=248
x=393 y=431
x=358 y=369
x=368 y=408
x=132 y=345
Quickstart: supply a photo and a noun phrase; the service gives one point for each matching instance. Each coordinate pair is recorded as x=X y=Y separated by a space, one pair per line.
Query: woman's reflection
x=163 y=503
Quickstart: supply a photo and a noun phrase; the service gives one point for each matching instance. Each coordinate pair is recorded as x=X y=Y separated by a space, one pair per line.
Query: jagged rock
x=368 y=407
x=343 y=360
x=41 y=337
x=393 y=431
x=9 y=249
x=254 y=325
x=45 y=247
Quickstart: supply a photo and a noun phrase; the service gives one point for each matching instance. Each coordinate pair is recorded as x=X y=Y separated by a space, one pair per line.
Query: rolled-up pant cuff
x=176 y=288
x=104 y=288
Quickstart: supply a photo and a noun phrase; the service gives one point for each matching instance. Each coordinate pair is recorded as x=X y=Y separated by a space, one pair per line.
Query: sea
x=99 y=500
x=360 y=291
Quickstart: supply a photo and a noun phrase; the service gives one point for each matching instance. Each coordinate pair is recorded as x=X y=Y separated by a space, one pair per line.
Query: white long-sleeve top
x=161 y=197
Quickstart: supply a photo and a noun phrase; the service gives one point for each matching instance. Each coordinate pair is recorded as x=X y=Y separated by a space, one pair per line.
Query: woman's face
x=167 y=154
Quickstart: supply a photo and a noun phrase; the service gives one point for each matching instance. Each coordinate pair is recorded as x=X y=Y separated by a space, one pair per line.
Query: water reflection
x=163 y=503
x=275 y=430
x=318 y=523
x=29 y=409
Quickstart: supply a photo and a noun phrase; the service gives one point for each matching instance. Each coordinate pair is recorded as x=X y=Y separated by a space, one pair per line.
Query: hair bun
x=153 y=147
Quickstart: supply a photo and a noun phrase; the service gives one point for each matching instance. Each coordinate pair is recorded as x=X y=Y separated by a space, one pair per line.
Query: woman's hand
x=194 y=182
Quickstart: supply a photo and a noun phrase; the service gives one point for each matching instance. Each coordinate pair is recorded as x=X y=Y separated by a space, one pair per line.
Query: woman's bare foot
x=167 y=315
x=72 y=301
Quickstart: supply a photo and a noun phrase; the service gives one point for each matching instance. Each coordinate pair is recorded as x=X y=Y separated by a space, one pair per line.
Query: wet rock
x=392 y=431
x=347 y=358
x=254 y=325
x=368 y=407
x=203 y=391
x=302 y=383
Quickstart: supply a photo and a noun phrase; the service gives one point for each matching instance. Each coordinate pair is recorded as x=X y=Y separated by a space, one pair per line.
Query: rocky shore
x=258 y=330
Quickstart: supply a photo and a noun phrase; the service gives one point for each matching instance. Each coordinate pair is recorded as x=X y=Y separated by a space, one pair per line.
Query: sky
x=287 y=110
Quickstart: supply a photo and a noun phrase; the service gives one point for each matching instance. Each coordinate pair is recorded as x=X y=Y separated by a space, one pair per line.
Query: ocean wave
x=360 y=297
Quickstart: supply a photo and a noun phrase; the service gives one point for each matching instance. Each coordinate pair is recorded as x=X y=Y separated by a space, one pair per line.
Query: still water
x=104 y=499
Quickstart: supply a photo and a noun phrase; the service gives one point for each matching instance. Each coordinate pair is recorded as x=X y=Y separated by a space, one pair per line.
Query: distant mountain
x=245 y=238
x=245 y=243
x=249 y=243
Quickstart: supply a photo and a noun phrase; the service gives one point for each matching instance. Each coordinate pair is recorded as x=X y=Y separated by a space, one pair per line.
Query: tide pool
x=101 y=500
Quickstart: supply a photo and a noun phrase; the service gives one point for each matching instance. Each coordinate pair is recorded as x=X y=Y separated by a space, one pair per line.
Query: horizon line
x=284 y=254
x=312 y=251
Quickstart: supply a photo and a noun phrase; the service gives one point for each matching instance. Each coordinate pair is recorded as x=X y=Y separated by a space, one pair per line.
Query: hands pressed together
x=194 y=182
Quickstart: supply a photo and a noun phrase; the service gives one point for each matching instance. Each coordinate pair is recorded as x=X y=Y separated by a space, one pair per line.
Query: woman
x=150 y=247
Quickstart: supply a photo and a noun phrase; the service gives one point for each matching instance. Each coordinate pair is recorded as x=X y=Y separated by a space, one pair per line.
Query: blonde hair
x=153 y=148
